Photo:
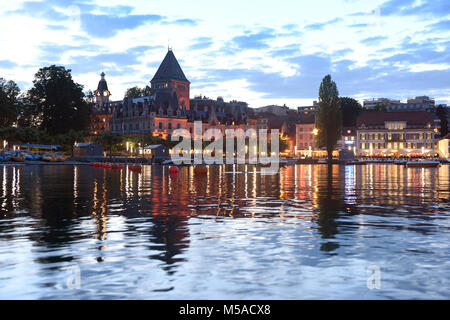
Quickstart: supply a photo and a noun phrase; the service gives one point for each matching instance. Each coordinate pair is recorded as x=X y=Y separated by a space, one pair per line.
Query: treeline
x=55 y=104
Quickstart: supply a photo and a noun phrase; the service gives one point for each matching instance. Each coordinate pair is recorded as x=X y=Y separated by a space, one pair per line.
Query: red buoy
x=200 y=170
x=174 y=170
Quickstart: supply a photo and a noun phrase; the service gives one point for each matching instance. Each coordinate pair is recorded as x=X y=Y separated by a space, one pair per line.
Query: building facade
x=305 y=136
x=396 y=133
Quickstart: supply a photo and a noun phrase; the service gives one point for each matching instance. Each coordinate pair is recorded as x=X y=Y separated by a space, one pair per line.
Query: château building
x=169 y=107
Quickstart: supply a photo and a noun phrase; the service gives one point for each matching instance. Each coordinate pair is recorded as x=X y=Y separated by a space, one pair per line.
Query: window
x=170 y=125
x=160 y=125
x=178 y=126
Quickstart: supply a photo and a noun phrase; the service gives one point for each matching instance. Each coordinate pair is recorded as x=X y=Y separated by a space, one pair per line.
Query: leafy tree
x=9 y=93
x=329 y=116
x=442 y=114
x=59 y=101
x=378 y=108
x=70 y=138
x=108 y=140
x=351 y=109
x=136 y=92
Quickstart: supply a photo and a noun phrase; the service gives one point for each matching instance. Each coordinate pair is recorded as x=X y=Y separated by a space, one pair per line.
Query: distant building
x=396 y=133
x=274 y=109
x=348 y=139
x=444 y=146
x=305 y=135
x=309 y=109
x=423 y=103
x=372 y=103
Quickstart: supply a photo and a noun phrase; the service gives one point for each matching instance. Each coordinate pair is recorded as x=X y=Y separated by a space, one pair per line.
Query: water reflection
x=52 y=216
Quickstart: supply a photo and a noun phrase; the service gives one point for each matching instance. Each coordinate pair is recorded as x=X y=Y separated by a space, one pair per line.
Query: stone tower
x=171 y=79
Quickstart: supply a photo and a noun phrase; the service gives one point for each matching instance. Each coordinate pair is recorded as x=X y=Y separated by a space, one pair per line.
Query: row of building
x=169 y=107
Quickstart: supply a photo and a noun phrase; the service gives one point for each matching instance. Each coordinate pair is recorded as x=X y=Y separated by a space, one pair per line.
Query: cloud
x=182 y=22
x=41 y=10
x=7 y=64
x=373 y=41
x=437 y=8
x=105 y=26
x=254 y=40
x=321 y=25
x=201 y=43
x=286 y=51
x=443 y=25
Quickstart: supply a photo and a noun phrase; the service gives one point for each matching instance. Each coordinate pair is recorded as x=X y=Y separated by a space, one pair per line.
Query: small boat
x=355 y=162
x=5 y=157
x=18 y=157
x=400 y=162
x=423 y=164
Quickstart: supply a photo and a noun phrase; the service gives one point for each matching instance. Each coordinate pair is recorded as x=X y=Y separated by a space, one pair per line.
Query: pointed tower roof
x=102 y=85
x=170 y=69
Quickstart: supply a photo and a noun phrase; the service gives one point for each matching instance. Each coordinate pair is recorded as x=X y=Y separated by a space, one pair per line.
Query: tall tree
x=442 y=114
x=9 y=93
x=329 y=116
x=59 y=101
x=351 y=109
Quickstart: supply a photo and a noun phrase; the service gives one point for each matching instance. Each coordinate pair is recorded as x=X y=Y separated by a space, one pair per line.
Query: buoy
x=174 y=170
x=200 y=170
x=115 y=166
x=92 y=164
x=107 y=166
x=136 y=168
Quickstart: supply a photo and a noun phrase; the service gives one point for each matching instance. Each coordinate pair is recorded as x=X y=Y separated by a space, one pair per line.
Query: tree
x=136 y=92
x=378 y=108
x=329 y=116
x=351 y=109
x=59 y=101
x=442 y=114
x=108 y=140
x=70 y=138
x=9 y=92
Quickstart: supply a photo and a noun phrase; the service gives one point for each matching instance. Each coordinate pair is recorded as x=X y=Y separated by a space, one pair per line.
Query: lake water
x=356 y=232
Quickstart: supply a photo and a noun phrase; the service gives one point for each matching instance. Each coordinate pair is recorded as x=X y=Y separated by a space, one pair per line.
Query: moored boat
x=423 y=164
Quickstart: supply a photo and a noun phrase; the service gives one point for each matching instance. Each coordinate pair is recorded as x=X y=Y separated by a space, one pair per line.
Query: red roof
x=379 y=118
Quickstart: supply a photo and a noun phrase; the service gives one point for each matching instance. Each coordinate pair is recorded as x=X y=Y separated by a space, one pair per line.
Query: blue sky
x=262 y=52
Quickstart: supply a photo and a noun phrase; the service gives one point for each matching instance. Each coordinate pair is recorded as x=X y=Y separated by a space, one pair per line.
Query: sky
x=262 y=52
